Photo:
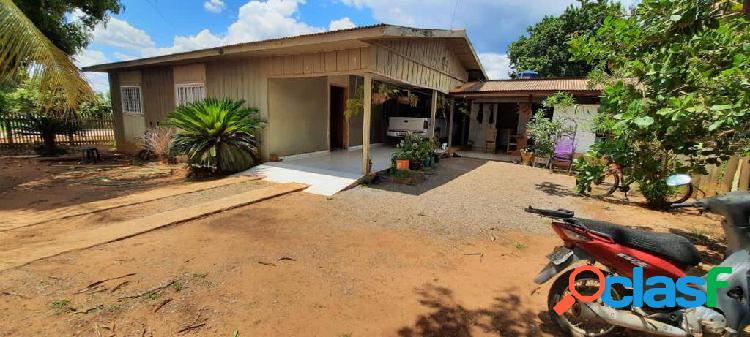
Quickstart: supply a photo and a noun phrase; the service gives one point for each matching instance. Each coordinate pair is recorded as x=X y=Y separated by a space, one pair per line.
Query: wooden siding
x=419 y=62
x=316 y=64
x=189 y=74
x=241 y=79
x=130 y=78
x=114 y=90
x=158 y=94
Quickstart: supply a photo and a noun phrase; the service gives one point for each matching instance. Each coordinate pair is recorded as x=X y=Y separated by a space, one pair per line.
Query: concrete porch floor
x=327 y=173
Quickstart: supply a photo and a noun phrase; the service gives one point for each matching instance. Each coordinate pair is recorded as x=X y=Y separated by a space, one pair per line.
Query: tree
x=25 y=49
x=52 y=19
x=677 y=88
x=545 y=49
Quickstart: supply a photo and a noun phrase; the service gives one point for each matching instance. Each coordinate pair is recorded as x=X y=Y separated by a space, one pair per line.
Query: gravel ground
x=464 y=197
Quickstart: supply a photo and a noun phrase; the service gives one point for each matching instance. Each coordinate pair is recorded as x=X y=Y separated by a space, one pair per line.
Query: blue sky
x=156 y=27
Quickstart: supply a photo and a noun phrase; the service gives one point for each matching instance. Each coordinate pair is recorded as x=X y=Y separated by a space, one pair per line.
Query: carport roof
x=331 y=40
x=523 y=87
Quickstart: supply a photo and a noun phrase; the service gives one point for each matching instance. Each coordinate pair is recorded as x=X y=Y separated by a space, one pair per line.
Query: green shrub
x=218 y=136
x=415 y=148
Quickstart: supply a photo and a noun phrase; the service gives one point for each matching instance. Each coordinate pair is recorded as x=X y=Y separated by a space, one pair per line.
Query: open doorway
x=337 y=122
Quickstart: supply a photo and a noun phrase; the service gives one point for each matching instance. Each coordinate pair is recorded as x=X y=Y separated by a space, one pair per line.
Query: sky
x=156 y=27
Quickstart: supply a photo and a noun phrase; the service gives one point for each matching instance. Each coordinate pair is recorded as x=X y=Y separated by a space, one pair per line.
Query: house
x=299 y=84
x=498 y=111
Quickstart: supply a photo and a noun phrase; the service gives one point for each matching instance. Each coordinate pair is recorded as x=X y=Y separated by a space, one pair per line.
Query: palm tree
x=218 y=136
x=23 y=47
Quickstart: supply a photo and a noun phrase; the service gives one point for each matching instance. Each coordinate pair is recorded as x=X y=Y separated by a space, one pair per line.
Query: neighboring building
x=299 y=84
x=501 y=110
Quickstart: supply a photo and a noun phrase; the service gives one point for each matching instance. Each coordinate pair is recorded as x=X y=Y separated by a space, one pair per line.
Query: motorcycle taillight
x=574 y=236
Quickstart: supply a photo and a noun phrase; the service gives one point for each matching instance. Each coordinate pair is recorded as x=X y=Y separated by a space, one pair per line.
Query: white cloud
x=119 y=33
x=204 y=39
x=260 y=20
x=497 y=66
x=98 y=81
x=343 y=23
x=90 y=57
x=214 y=6
x=123 y=57
x=491 y=24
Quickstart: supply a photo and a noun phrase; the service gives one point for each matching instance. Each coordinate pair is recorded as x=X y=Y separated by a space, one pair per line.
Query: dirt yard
x=453 y=257
x=34 y=185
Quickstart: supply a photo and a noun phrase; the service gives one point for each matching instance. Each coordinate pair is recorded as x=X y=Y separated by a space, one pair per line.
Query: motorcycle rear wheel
x=587 y=283
x=605 y=186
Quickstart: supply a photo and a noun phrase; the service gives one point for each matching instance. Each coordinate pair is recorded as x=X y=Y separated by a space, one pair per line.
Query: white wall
x=583 y=119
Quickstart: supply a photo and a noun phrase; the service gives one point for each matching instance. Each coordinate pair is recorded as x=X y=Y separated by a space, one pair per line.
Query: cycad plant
x=218 y=136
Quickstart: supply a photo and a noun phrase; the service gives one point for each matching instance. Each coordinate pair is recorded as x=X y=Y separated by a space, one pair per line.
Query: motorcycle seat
x=673 y=247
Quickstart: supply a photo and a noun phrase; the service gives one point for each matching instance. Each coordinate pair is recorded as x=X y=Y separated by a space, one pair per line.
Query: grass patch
x=61 y=306
x=519 y=246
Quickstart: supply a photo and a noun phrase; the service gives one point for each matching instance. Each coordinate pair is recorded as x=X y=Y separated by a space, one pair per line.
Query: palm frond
x=24 y=47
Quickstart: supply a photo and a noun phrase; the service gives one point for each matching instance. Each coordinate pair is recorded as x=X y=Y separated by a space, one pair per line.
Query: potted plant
x=543 y=131
x=413 y=100
x=383 y=93
x=527 y=156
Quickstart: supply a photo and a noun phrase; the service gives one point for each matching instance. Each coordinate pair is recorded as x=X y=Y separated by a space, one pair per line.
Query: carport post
x=433 y=113
x=366 y=117
x=450 y=123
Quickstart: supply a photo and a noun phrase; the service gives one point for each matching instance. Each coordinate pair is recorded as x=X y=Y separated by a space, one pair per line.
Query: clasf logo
x=655 y=292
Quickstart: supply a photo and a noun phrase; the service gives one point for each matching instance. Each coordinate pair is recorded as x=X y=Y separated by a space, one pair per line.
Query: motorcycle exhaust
x=632 y=321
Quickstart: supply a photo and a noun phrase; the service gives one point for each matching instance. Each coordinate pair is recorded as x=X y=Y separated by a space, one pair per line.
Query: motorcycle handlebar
x=556 y=214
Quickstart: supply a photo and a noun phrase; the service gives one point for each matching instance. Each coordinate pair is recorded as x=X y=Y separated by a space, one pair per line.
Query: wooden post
x=366 y=118
x=746 y=8
x=725 y=185
x=744 y=181
x=450 y=123
x=433 y=113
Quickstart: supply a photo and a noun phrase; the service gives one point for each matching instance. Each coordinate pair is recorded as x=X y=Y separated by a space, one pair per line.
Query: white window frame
x=177 y=88
x=140 y=98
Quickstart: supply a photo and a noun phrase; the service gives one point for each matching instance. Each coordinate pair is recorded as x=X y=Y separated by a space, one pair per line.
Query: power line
x=453 y=16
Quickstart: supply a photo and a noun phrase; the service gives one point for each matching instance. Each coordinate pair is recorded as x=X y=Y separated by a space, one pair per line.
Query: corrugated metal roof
x=470 y=59
x=527 y=85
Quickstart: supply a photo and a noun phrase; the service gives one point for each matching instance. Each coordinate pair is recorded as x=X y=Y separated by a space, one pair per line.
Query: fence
x=731 y=175
x=91 y=131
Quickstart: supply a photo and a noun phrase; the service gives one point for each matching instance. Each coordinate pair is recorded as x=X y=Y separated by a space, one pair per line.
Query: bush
x=415 y=148
x=48 y=127
x=217 y=136
x=157 y=141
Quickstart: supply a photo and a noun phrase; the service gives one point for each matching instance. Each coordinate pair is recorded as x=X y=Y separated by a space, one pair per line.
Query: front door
x=337 y=126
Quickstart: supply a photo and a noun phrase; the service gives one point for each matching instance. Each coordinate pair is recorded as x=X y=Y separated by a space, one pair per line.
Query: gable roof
x=522 y=87
x=458 y=41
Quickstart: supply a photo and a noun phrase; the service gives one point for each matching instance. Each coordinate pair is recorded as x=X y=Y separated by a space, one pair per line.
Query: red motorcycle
x=616 y=250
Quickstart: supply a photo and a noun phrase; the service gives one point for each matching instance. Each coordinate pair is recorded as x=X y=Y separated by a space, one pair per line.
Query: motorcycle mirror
x=679 y=180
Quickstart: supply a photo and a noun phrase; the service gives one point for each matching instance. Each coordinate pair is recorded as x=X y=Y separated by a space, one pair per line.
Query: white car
x=399 y=126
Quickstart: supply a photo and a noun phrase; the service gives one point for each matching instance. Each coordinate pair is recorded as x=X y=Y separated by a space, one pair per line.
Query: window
x=131 y=100
x=189 y=93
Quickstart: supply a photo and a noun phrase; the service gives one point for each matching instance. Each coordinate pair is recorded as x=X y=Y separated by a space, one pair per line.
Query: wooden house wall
x=419 y=62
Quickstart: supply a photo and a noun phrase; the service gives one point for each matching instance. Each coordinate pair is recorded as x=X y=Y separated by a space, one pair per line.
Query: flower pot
x=402 y=164
x=527 y=158
x=541 y=160
x=379 y=99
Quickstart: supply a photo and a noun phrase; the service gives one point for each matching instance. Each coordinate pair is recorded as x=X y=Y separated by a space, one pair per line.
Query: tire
x=557 y=292
x=606 y=187
x=681 y=194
